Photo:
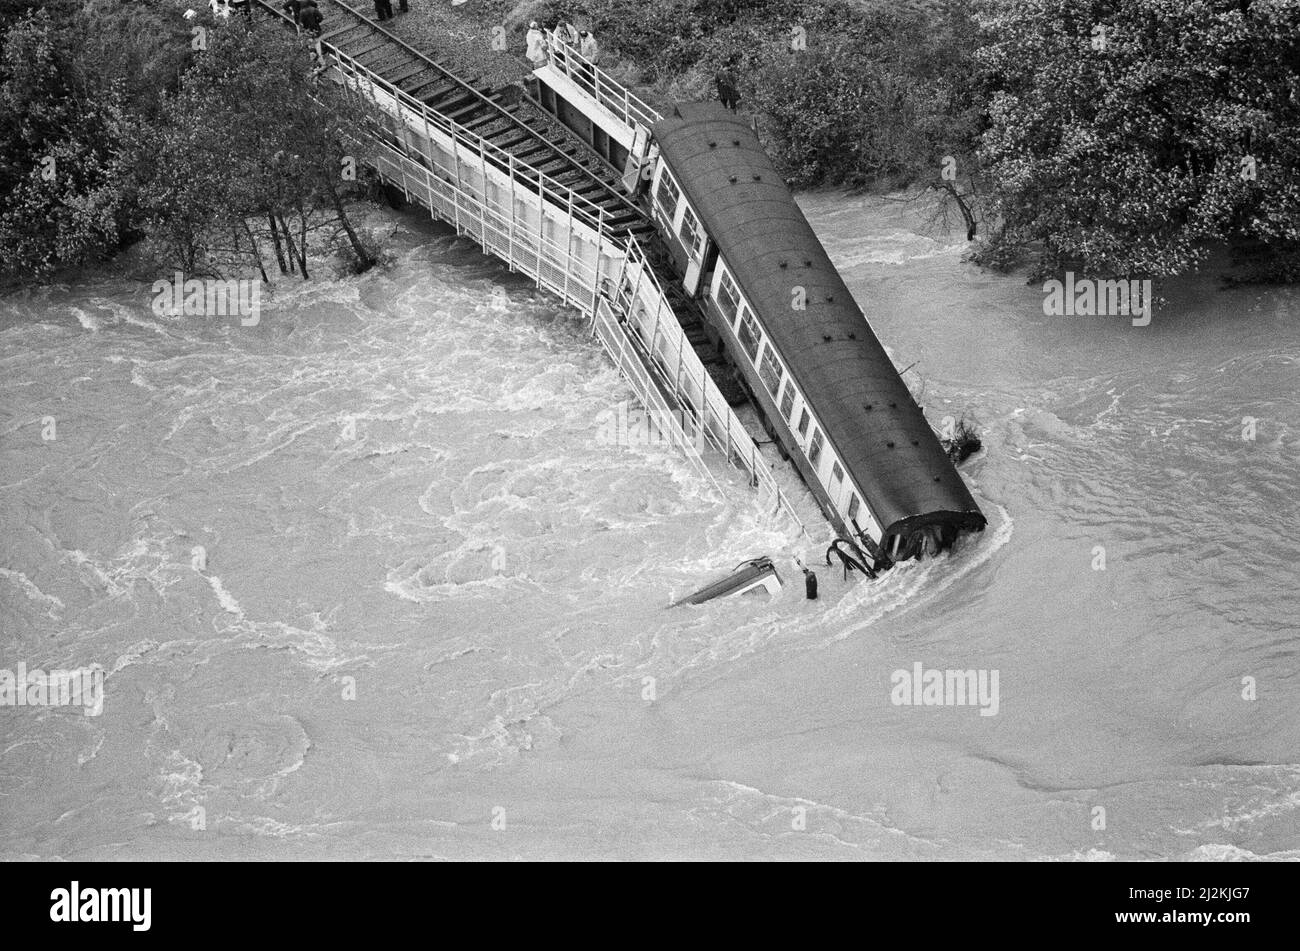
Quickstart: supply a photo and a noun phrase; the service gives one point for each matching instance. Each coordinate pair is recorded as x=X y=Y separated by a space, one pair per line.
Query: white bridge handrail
x=348 y=67
x=678 y=368
x=553 y=266
x=601 y=86
x=630 y=315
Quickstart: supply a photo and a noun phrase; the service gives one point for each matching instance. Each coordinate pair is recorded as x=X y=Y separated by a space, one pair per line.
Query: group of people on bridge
x=223 y=8
x=306 y=15
x=564 y=37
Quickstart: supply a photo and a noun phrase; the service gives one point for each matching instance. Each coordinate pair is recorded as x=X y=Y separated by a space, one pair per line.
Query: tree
x=1127 y=136
x=74 y=84
x=113 y=126
x=863 y=96
x=59 y=164
x=251 y=136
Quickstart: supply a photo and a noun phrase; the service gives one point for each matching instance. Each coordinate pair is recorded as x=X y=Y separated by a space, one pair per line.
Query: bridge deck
x=498 y=180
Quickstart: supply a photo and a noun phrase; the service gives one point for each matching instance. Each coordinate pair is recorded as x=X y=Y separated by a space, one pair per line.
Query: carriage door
x=693 y=241
x=837 y=485
x=637 y=159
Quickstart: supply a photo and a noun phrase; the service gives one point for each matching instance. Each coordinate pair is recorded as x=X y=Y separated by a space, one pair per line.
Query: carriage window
x=728 y=297
x=837 y=475
x=787 y=402
x=815 y=450
x=803 y=423
x=692 y=234
x=668 y=194
x=770 y=371
x=853 y=509
x=749 y=333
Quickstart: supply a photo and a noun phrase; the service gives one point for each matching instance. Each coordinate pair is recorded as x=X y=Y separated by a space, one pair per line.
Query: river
x=367 y=583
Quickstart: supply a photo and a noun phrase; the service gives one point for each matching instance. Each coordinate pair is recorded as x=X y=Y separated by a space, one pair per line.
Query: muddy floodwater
x=366 y=581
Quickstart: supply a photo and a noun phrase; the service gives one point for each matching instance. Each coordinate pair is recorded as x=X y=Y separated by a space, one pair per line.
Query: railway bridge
x=491 y=163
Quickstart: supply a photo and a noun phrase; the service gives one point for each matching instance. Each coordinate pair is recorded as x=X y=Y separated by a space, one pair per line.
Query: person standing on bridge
x=310 y=17
x=384 y=9
x=536 y=45
x=555 y=39
x=590 y=49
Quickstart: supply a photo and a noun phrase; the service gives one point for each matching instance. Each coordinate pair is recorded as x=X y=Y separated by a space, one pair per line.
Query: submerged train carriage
x=831 y=396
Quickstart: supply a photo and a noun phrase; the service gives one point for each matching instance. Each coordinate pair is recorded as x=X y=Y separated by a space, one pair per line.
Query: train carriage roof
x=843 y=371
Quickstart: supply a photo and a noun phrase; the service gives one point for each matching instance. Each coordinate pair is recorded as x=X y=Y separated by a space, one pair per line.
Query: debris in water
x=965 y=442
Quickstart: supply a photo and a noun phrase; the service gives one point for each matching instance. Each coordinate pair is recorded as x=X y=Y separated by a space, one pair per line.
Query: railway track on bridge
x=505 y=118
x=500 y=115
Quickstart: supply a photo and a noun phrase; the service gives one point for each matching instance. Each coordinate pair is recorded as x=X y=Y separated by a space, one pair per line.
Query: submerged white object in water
x=748 y=575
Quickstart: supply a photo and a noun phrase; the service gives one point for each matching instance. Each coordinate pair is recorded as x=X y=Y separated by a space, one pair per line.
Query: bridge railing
x=654 y=328
x=502 y=228
x=608 y=326
x=601 y=86
x=627 y=305
x=613 y=283
x=358 y=77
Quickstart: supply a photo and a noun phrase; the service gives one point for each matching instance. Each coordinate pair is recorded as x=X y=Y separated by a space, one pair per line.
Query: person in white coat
x=536 y=45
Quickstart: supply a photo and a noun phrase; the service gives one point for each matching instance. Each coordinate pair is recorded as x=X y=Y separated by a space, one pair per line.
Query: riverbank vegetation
x=1133 y=136
x=208 y=142
x=1121 y=137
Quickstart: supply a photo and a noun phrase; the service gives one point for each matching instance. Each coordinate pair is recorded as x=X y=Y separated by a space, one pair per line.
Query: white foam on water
x=53 y=606
x=224 y=597
x=1221 y=852
x=773 y=818
x=87 y=320
x=915 y=584
x=493 y=579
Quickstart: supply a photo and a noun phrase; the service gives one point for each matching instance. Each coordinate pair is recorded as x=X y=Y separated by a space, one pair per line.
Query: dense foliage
x=1131 y=135
x=1120 y=137
x=64 y=119
x=208 y=138
x=845 y=92
x=251 y=149
x=1136 y=155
